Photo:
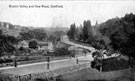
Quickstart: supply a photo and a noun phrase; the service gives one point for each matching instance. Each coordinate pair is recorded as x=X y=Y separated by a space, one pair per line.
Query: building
x=46 y=46
x=23 y=44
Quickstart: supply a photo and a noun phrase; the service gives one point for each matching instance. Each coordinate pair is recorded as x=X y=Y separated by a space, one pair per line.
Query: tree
x=33 y=44
x=52 y=38
x=80 y=33
x=38 y=34
x=62 y=52
x=26 y=35
x=87 y=30
x=101 y=42
x=1 y=32
x=121 y=32
x=72 y=31
x=97 y=63
x=7 y=44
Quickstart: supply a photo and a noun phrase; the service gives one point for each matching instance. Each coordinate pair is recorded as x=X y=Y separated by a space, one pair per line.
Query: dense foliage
x=33 y=44
x=115 y=35
x=38 y=34
x=55 y=36
x=1 y=32
x=41 y=34
x=7 y=44
x=86 y=34
x=72 y=31
x=121 y=33
x=62 y=52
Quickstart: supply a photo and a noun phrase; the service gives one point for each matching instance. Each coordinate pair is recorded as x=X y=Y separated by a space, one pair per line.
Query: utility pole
x=15 y=59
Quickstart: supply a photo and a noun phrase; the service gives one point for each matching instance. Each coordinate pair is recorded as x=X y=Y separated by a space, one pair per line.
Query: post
x=15 y=63
x=70 y=57
x=15 y=59
x=30 y=76
x=18 y=78
x=85 y=54
x=77 y=61
x=100 y=68
x=48 y=60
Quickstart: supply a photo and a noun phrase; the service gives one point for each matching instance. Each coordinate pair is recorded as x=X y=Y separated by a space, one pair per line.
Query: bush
x=97 y=80
x=59 y=78
x=21 y=48
x=61 y=52
x=110 y=64
x=40 y=79
x=6 y=60
x=96 y=64
x=22 y=58
x=114 y=64
x=4 y=78
x=33 y=44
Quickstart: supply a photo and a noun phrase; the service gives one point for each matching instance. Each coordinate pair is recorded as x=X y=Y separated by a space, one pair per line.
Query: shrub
x=6 y=60
x=59 y=78
x=40 y=79
x=21 y=48
x=23 y=58
x=61 y=52
x=114 y=64
x=33 y=44
x=97 y=80
x=4 y=78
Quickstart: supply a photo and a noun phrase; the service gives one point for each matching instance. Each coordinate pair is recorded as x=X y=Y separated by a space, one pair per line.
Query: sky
x=69 y=12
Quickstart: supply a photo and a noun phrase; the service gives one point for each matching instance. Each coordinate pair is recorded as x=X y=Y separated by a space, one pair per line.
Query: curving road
x=66 y=40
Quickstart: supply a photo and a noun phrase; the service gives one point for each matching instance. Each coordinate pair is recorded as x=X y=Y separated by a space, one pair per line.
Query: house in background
x=23 y=44
x=45 y=46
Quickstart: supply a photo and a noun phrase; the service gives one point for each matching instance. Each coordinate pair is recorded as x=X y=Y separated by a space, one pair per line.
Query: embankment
x=43 y=75
x=80 y=72
x=89 y=74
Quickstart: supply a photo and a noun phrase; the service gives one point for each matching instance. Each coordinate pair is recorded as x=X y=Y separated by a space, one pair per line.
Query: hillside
x=10 y=29
x=14 y=30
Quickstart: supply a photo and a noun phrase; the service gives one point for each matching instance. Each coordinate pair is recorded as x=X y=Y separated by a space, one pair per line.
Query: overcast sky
x=72 y=11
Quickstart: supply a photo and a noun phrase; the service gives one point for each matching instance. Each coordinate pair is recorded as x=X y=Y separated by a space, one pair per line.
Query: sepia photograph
x=65 y=40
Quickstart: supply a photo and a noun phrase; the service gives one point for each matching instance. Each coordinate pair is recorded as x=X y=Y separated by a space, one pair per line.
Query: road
x=42 y=66
x=66 y=40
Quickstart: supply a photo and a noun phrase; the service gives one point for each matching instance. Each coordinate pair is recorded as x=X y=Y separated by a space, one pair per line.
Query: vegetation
x=61 y=52
x=115 y=35
x=114 y=64
x=7 y=44
x=1 y=32
x=55 y=36
x=38 y=34
x=86 y=34
x=72 y=31
x=33 y=44
x=121 y=32
x=97 y=80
